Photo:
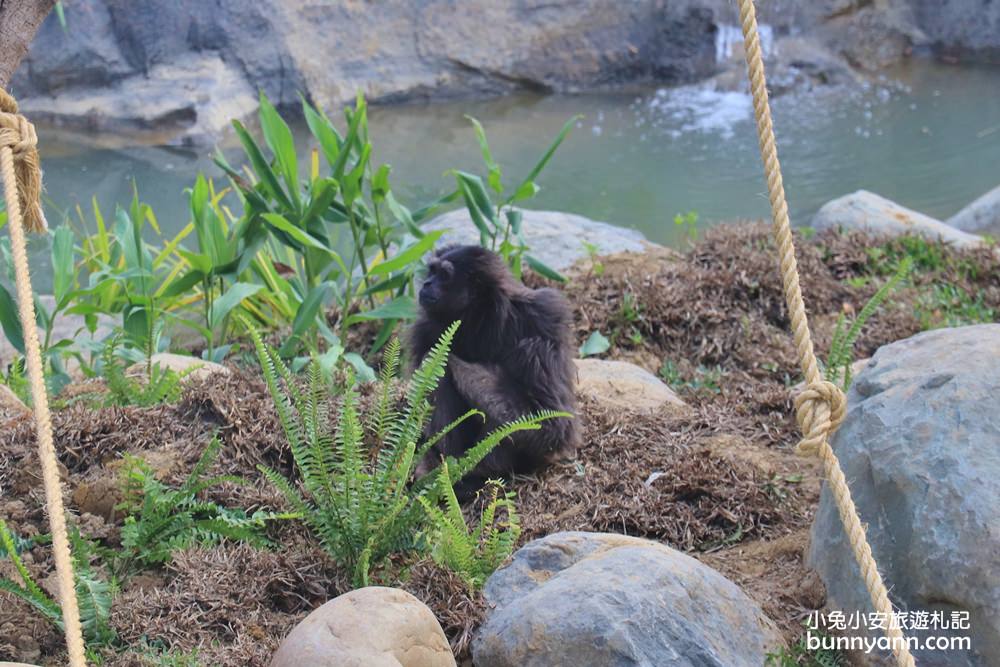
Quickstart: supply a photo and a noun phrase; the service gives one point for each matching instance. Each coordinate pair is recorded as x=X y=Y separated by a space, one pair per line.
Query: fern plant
x=838 y=363
x=360 y=503
x=93 y=593
x=473 y=554
x=160 y=384
x=162 y=520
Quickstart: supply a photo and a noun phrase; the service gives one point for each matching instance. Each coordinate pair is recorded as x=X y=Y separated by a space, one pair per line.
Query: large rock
x=408 y=49
x=872 y=36
x=555 y=238
x=867 y=211
x=368 y=627
x=194 y=97
x=574 y=599
x=982 y=215
x=624 y=386
x=959 y=27
x=921 y=447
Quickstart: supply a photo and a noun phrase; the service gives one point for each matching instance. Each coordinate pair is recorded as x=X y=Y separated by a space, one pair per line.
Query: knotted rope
x=18 y=134
x=22 y=181
x=820 y=407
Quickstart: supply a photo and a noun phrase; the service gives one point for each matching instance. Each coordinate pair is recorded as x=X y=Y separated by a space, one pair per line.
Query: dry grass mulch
x=721 y=483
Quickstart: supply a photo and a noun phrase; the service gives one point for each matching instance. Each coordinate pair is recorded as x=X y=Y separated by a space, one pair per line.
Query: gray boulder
x=920 y=447
x=573 y=599
x=555 y=238
x=867 y=211
x=982 y=215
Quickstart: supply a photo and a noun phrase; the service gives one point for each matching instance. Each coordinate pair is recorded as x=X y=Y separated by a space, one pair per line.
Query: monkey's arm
x=485 y=388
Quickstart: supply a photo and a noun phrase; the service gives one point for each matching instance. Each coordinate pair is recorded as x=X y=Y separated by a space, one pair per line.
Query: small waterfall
x=728 y=35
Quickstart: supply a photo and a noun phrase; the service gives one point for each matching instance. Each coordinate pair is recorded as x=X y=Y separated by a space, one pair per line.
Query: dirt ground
x=722 y=483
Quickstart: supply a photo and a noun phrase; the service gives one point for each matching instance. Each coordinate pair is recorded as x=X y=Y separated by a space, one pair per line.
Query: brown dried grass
x=726 y=485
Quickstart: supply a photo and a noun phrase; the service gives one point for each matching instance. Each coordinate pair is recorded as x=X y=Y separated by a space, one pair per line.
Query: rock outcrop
x=115 y=51
x=921 y=447
x=367 y=627
x=573 y=599
x=960 y=28
x=182 y=69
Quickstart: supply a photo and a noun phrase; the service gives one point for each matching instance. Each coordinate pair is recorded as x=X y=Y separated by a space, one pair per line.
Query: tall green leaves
x=499 y=223
x=342 y=233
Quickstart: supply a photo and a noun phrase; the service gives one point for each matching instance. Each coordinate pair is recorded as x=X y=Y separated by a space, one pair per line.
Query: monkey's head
x=460 y=277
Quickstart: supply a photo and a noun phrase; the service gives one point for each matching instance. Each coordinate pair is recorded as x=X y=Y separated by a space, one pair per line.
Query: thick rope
x=18 y=156
x=820 y=408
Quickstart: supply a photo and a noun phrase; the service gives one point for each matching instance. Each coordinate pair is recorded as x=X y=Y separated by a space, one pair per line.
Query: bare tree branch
x=19 y=21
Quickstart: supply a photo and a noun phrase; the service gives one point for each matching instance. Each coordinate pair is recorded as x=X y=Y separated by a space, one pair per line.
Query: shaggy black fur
x=512 y=355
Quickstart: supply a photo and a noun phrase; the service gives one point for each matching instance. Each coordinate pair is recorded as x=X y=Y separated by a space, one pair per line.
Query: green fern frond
x=437 y=437
x=383 y=410
x=461 y=467
x=472 y=554
x=423 y=382
x=838 y=364
x=162 y=520
x=29 y=592
x=93 y=594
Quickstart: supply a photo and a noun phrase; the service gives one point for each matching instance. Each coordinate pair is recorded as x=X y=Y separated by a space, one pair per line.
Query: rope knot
x=819 y=410
x=18 y=136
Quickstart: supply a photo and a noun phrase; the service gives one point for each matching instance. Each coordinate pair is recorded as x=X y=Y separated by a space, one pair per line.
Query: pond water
x=925 y=135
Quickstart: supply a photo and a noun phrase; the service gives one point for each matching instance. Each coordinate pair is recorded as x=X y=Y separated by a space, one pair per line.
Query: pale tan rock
x=367 y=627
x=181 y=363
x=626 y=386
x=10 y=404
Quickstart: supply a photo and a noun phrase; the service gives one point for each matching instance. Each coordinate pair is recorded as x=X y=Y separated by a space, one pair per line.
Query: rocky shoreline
x=175 y=73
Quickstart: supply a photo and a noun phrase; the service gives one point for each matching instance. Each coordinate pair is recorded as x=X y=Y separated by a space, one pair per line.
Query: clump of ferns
x=361 y=504
x=161 y=520
x=472 y=553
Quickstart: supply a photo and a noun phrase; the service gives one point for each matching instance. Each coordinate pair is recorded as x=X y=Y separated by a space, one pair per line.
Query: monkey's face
x=445 y=293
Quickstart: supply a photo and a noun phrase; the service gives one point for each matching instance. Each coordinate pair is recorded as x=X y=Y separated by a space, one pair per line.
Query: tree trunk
x=19 y=21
